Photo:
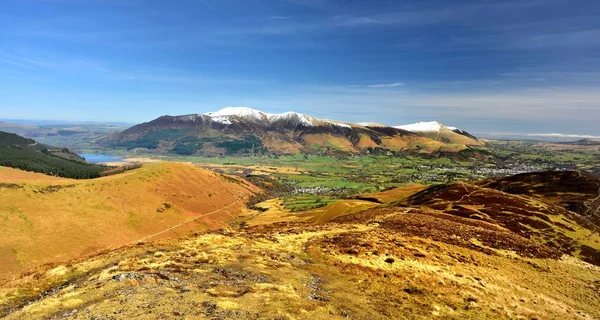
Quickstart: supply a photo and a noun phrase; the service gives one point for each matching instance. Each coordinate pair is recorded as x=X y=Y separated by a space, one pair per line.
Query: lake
x=101 y=158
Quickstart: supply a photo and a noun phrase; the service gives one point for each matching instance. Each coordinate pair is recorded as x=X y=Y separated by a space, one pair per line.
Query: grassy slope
x=382 y=263
x=47 y=219
x=275 y=210
x=322 y=271
x=302 y=208
x=450 y=137
x=395 y=194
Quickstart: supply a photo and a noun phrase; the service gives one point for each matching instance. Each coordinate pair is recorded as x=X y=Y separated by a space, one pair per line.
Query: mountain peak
x=295 y=116
x=224 y=115
x=244 y=112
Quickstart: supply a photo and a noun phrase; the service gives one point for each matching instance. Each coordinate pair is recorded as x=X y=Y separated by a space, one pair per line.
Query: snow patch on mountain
x=224 y=116
x=370 y=124
x=343 y=125
x=188 y=117
x=302 y=118
x=222 y=119
x=431 y=126
x=243 y=112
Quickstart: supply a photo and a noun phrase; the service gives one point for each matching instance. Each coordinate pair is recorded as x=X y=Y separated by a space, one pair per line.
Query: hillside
x=453 y=251
x=27 y=154
x=586 y=142
x=44 y=219
x=542 y=222
x=439 y=132
x=573 y=190
x=384 y=263
x=238 y=131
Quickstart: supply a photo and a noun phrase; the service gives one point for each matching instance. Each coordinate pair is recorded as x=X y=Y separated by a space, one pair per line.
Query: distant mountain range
x=543 y=137
x=64 y=122
x=73 y=136
x=232 y=131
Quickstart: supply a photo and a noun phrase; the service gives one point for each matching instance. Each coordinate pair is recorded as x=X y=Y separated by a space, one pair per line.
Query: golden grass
x=10 y=175
x=276 y=212
x=396 y=194
x=59 y=219
x=451 y=137
x=256 y=169
x=304 y=271
x=325 y=141
x=366 y=142
x=279 y=143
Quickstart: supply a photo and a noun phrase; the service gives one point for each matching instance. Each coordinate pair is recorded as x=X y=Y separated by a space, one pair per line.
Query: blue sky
x=485 y=65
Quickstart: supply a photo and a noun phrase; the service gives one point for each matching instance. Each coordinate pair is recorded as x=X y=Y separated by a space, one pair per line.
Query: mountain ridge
x=240 y=130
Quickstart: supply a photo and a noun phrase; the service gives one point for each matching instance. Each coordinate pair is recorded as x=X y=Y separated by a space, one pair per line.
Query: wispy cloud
x=280 y=18
x=434 y=13
x=379 y=85
x=566 y=39
x=311 y=3
x=14 y=63
x=94 y=69
x=25 y=61
x=414 y=17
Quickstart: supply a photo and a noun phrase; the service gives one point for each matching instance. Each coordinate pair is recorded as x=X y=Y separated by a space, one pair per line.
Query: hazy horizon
x=522 y=67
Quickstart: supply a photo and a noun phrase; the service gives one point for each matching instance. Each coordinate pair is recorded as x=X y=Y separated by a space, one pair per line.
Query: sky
x=489 y=66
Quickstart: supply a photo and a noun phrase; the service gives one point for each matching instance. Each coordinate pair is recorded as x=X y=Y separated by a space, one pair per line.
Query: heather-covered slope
x=574 y=190
x=382 y=264
x=545 y=223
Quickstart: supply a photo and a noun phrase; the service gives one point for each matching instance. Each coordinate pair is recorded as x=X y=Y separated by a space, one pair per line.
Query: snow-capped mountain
x=241 y=130
x=243 y=112
x=440 y=132
x=230 y=114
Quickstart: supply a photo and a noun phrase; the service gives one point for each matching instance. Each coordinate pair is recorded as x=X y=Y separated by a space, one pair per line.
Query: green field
x=343 y=175
x=352 y=174
x=306 y=202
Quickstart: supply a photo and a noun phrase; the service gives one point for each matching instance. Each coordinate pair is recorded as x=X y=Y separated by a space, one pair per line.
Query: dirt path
x=185 y=222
